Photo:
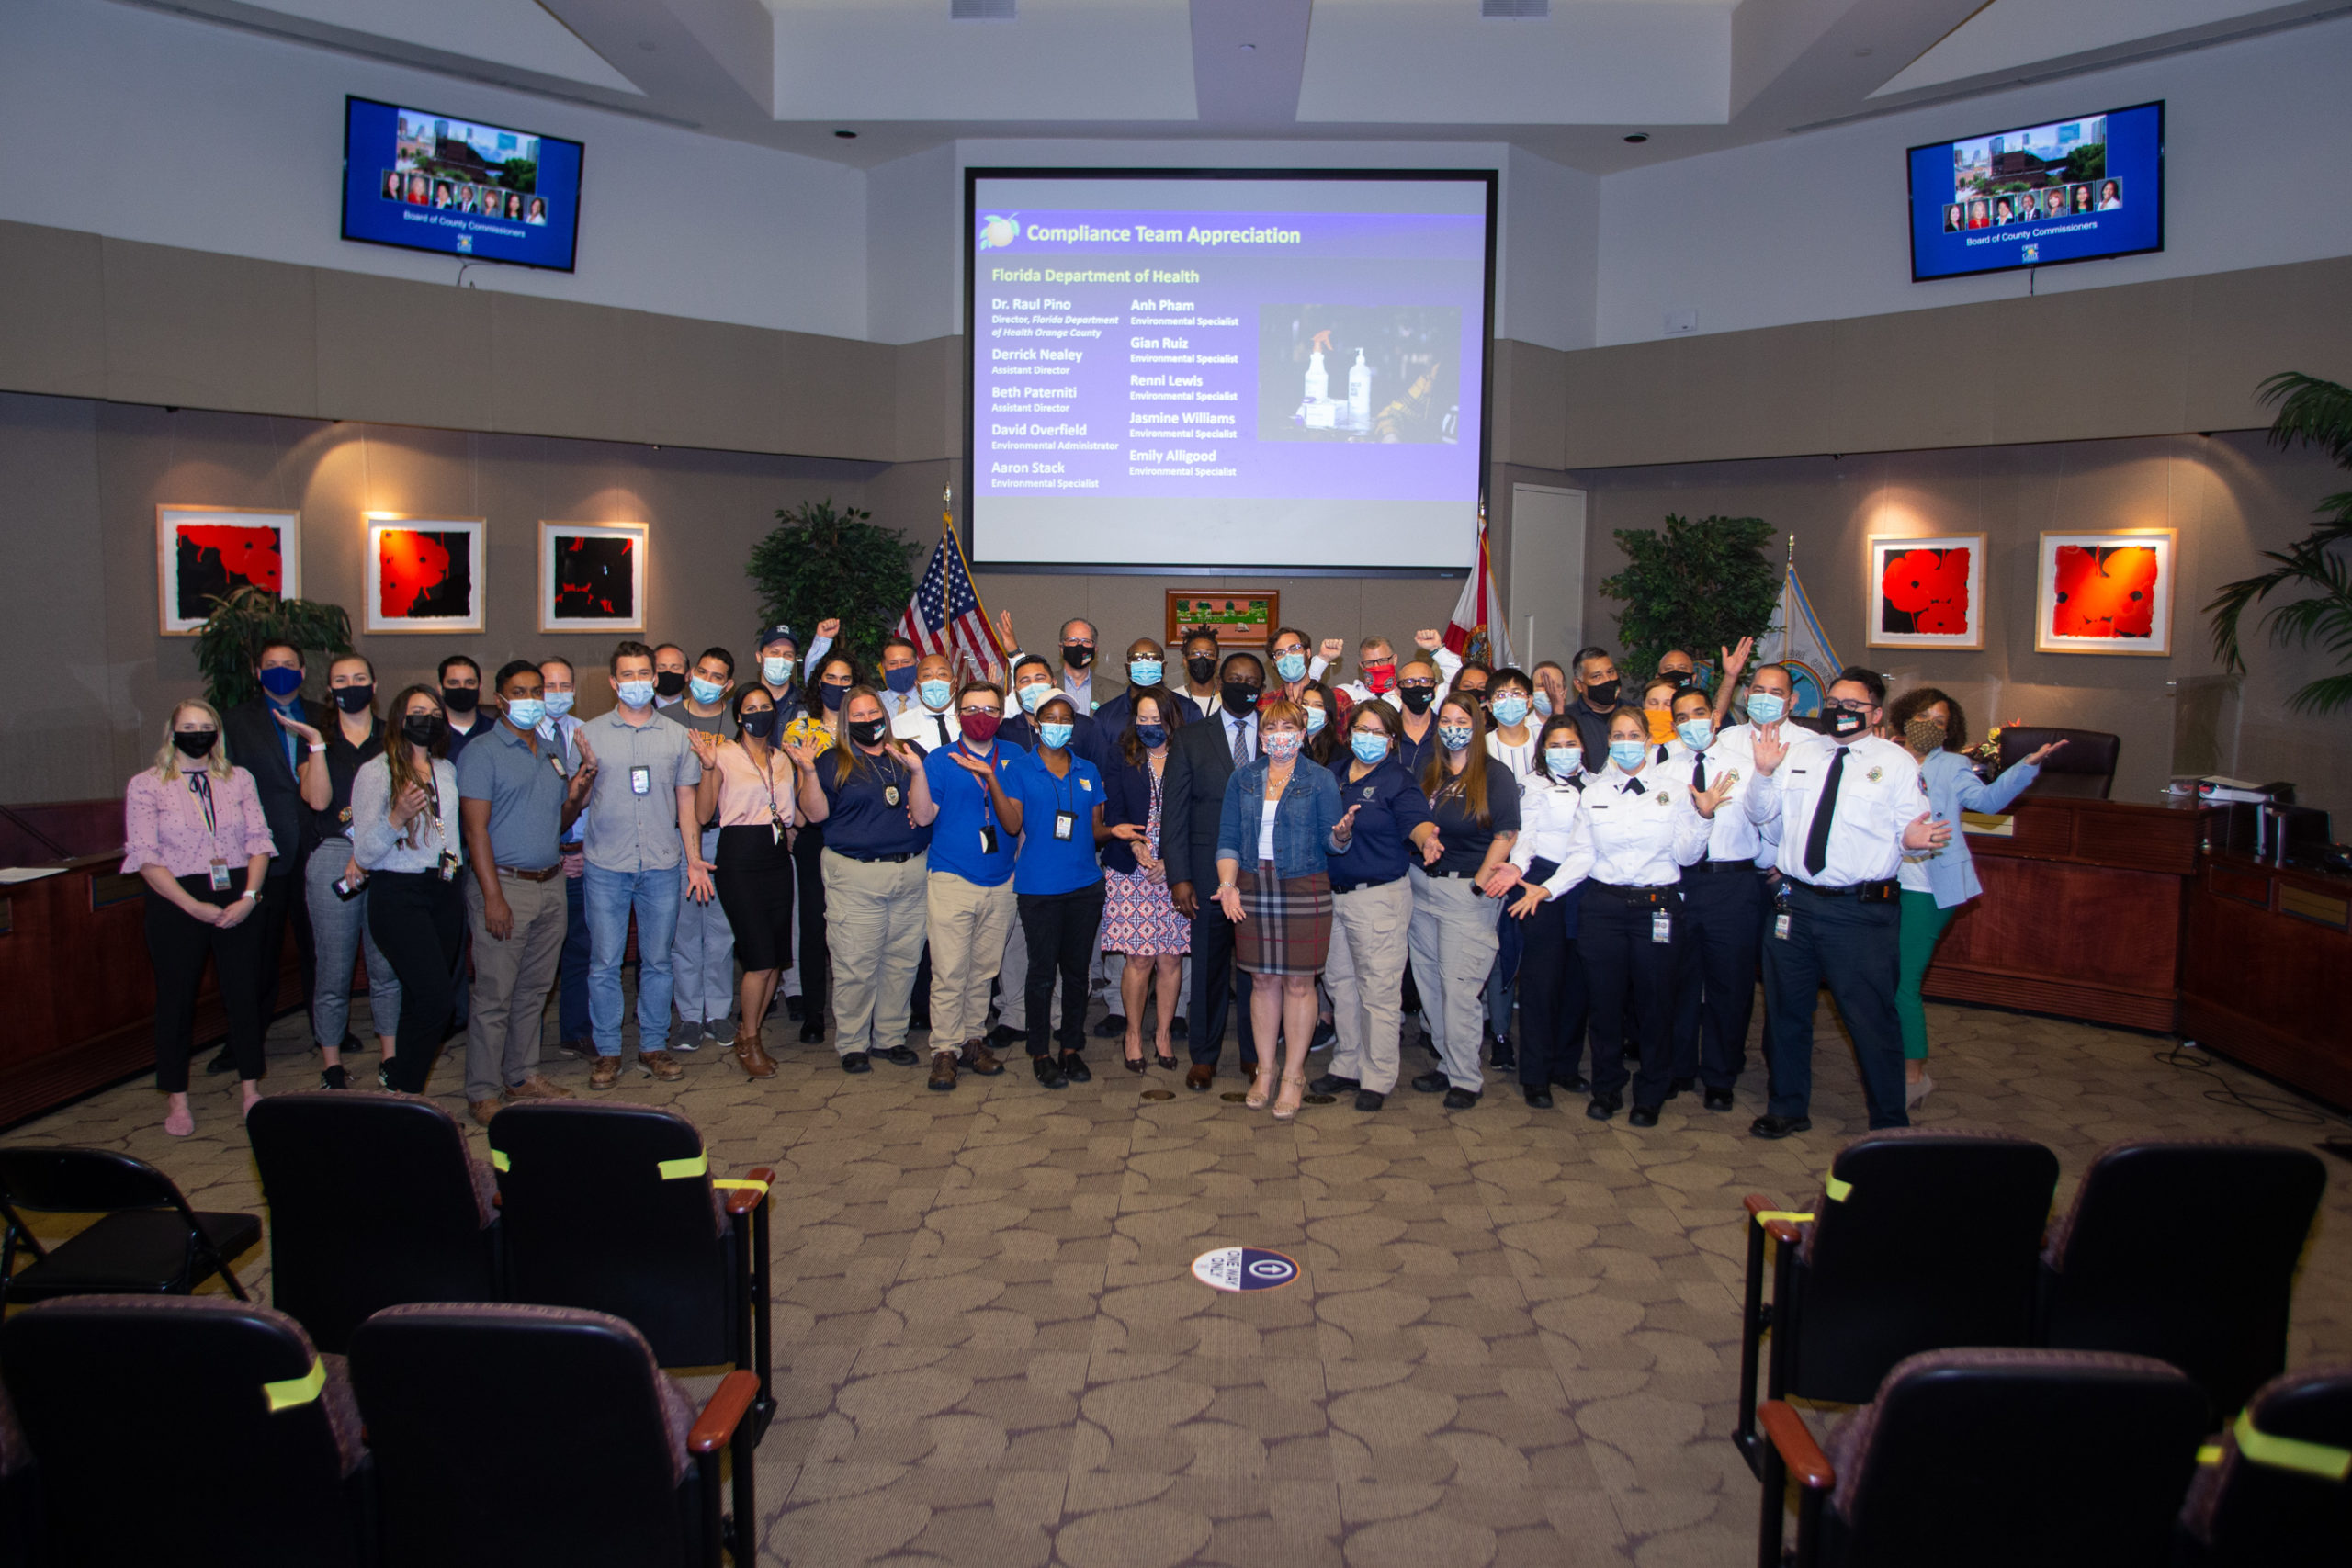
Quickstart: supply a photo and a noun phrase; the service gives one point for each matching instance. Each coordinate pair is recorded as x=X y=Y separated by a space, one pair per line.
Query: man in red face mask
x=970 y=898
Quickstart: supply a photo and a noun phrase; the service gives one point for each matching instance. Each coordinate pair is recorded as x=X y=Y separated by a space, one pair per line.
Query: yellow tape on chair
x=295 y=1392
x=759 y=1187
x=1839 y=1191
x=2290 y=1453
x=681 y=1169
x=498 y=1161
x=1765 y=1216
x=2210 y=1454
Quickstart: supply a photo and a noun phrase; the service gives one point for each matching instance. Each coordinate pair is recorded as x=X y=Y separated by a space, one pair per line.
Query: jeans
x=609 y=896
x=1060 y=929
x=1851 y=945
x=702 y=966
x=417 y=919
x=573 y=1011
x=339 y=933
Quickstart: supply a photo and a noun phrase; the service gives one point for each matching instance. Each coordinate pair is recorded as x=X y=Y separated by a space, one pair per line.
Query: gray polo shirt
x=633 y=818
x=526 y=790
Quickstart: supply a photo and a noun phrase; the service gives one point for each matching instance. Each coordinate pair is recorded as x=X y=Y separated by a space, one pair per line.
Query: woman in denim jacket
x=1281 y=819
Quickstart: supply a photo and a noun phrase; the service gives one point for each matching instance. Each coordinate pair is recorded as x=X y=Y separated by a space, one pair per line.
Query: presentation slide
x=430 y=182
x=1184 y=369
x=2071 y=190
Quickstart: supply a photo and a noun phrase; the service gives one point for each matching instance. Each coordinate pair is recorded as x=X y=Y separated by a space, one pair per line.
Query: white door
x=1546 y=573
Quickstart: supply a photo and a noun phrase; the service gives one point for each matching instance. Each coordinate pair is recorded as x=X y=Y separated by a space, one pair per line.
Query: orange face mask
x=1661 y=725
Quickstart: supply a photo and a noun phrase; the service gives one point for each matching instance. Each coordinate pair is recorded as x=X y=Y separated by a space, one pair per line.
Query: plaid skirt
x=1289 y=927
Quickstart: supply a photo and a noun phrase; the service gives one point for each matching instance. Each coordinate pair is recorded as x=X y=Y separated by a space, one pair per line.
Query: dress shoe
x=855 y=1062
x=1780 y=1127
x=1720 y=1099
x=899 y=1055
x=1113 y=1025
x=1504 y=1056
x=580 y=1050
x=1460 y=1100
x=812 y=1034
x=221 y=1064
x=1680 y=1086
x=1048 y=1071
x=604 y=1073
x=1199 y=1075
x=1642 y=1116
x=751 y=1055
x=1433 y=1083
x=484 y=1109
x=1604 y=1106
x=1370 y=1099
x=335 y=1078
x=536 y=1088
x=660 y=1065
x=1326 y=1032
x=979 y=1061
x=792 y=1008
x=1332 y=1083
x=1574 y=1083
x=1074 y=1069
x=1538 y=1098
x=1005 y=1035
x=1913 y=1093
x=1178 y=1029
x=1426 y=1044
x=943 y=1071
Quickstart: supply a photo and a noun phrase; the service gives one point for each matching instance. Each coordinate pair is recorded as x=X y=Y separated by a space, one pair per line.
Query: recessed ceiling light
x=847 y=135
x=1250 y=46
x=1639 y=136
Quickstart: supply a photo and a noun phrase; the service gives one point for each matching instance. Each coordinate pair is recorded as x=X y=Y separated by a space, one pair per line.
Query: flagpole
x=947 y=532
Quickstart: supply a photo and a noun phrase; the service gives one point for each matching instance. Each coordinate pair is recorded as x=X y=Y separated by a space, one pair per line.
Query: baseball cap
x=780 y=632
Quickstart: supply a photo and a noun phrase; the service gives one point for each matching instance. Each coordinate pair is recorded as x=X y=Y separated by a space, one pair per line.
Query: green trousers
x=1923 y=927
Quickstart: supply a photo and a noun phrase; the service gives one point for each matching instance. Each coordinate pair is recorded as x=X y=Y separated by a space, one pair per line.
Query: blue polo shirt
x=863 y=822
x=1048 y=864
x=965 y=809
x=1388 y=805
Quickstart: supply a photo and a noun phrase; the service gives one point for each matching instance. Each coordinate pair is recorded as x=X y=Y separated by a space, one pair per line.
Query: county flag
x=1479 y=631
x=944 y=616
x=1795 y=640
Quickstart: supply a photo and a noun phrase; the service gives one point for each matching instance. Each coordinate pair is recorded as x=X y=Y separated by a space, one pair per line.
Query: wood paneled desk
x=2263 y=973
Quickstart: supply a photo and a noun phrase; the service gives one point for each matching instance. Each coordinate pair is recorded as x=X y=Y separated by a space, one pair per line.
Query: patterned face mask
x=1923 y=734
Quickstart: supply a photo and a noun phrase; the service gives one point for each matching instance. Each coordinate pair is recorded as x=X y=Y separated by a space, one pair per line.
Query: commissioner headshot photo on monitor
x=2039 y=195
x=423 y=180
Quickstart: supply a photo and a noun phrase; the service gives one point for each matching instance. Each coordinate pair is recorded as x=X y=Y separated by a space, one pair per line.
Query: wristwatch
x=252 y=893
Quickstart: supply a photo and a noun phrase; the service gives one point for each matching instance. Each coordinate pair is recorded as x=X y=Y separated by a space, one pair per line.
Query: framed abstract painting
x=425 y=574
x=2104 y=592
x=592 y=576
x=202 y=553
x=1925 y=593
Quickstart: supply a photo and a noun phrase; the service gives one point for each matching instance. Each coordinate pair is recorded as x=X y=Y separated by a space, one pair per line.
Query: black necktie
x=1816 y=839
x=1661 y=753
x=941 y=720
x=1698 y=772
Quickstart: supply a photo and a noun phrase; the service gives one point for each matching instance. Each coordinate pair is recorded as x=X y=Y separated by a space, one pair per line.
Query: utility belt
x=1884 y=892
x=1667 y=896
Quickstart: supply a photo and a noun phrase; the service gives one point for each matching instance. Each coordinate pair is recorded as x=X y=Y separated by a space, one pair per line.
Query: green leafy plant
x=1699 y=586
x=245 y=618
x=820 y=563
x=2320 y=412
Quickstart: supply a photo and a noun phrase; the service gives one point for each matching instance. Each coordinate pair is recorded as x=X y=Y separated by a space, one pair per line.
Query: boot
x=749 y=1054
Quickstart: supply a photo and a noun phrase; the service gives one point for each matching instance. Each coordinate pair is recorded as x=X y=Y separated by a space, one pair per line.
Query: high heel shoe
x=1133 y=1063
x=1261 y=1088
x=1165 y=1063
x=1294 y=1095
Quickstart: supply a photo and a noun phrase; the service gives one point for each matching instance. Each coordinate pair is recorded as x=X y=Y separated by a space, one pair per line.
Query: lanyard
x=988 y=804
x=767 y=778
x=201 y=787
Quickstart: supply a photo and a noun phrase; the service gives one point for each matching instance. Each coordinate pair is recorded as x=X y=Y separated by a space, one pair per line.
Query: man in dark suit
x=1201 y=757
x=1143 y=656
x=271 y=737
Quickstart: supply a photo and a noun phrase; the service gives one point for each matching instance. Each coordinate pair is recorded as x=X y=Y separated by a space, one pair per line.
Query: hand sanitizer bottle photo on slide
x=1359 y=393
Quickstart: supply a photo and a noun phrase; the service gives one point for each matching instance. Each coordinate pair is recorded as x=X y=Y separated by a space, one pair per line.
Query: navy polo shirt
x=1388 y=805
x=965 y=809
x=863 y=821
x=1048 y=864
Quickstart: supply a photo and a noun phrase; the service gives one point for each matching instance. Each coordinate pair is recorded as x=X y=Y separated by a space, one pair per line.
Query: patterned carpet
x=1514 y=1340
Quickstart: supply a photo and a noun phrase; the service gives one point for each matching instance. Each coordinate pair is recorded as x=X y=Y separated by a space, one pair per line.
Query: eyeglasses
x=1846 y=705
x=977 y=713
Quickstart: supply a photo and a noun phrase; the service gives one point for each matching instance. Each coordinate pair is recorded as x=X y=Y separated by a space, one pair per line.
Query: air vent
x=1514 y=10
x=980 y=10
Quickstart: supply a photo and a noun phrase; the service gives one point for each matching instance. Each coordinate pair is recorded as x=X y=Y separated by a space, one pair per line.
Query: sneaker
x=1113 y=1025
x=855 y=1062
x=899 y=1055
x=1504 y=1056
x=583 y=1049
x=979 y=1060
x=1074 y=1069
x=1433 y=1083
x=1049 y=1072
x=484 y=1109
x=943 y=1071
x=606 y=1072
x=688 y=1036
x=1332 y=1083
x=658 y=1065
x=1720 y=1099
x=383 y=1075
x=1326 y=1033
x=536 y=1088
x=335 y=1078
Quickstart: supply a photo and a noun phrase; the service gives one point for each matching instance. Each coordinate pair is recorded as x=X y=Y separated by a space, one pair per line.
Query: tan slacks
x=875 y=914
x=968 y=926
x=1366 y=975
x=511 y=982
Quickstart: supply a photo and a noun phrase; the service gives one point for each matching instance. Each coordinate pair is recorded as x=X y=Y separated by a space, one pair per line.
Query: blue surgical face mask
x=1033 y=694
x=1628 y=754
x=832 y=695
x=1767 y=707
x=1291 y=666
x=1510 y=708
x=1316 y=719
x=901 y=679
x=1369 y=746
x=636 y=693
x=705 y=691
x=1454 y=737
x=1542 y=703
x=1144 y=671
x=560 y=703
x=1153 y=735
x=1055 y=735
x=934 y=693
x=1696 y=733
x=280 y=682
x=525 y=713
x=777 y=670
x=1565 y=761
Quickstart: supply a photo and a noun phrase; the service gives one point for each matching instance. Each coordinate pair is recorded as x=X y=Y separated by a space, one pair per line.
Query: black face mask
x=1681 y=678
x=759 y=725
x=670 y=683
x=423 y=729
x=1200 y=669
x=193 y=743
x=1417 y=698
x=868 y=731
x=1845 y=722
x=1076 y=658
x=1601 y=694
x=459 y=699
x=353 y=699
x=1240 y=698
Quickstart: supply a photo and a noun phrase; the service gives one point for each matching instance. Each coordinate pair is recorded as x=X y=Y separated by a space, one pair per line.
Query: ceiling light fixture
x=1250 y=46
x=1638 y=137
x=847 y=135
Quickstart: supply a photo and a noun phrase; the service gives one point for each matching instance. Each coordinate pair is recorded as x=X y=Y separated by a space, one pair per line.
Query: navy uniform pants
x=1715 y=988
x=1852 y=946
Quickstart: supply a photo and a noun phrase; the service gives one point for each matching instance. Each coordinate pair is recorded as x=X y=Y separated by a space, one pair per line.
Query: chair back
x=610 y=1208
x=373 y=1201
x=2029 y=1459
x=2084 y=767
x=1922 y=1241
x=184 y=1429
x=2185 y=1252
x=507 y=1435
x=2279 y=1496
x=66 y=1180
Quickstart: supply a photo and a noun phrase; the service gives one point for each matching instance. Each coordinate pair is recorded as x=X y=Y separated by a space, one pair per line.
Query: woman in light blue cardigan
x=1931 y=724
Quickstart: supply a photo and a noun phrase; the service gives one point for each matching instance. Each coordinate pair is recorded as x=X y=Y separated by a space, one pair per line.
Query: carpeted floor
x=1514 y=1340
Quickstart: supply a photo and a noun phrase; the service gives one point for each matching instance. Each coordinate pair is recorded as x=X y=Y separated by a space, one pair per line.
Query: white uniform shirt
x=1878 y=796
x=1549 y=816
x=1732 y=835
x=1641 y=830
x=919 y=725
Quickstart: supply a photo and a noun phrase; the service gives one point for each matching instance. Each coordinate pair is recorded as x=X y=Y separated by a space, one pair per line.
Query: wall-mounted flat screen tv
x=433 y=182
x=2067 y=191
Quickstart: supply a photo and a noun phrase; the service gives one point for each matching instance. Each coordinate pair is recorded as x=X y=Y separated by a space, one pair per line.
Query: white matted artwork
x=204 y=553
x=1924 y=591
x=592 y=576
x=2104 y=592
x=425 y=574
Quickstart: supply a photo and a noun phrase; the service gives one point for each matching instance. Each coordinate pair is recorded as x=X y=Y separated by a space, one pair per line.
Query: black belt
x=1706 y=866
x=1449 y=875
x=1884 y=889
x=874 y=860
x=1632 y=890
x=1383 y=882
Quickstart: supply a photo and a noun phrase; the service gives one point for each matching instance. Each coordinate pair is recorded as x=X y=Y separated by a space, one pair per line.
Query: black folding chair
x=186 y=1431
x=2185 y=1252
x=2027 y=1458
x=2276 y=1491
x=507 y=1435
x=1919 y=1241
x=374 y=1202
x=149 y=1242
x=612 y=1208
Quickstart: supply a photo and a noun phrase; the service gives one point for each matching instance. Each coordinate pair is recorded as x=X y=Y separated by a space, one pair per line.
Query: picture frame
x=2106 y=593
x=1924 y=591
x=593 y=576
x=424 y=574
x=1241 y=618
x=204 y=552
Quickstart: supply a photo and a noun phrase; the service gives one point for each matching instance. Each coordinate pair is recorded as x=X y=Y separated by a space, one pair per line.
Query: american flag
x=944 y=615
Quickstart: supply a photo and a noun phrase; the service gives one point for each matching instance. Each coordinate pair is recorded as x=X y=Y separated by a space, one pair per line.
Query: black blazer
x=1192 y=800
x=257 y=744
x=1112 y=716
x=1126 y=797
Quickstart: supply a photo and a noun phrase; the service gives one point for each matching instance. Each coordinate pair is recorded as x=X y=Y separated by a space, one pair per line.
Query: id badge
x=987 y=838
x=1661 y=927
x=448 y=866
x=1781 y=925
x=640 y=781
x=219 y=876
x=1065 y=823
